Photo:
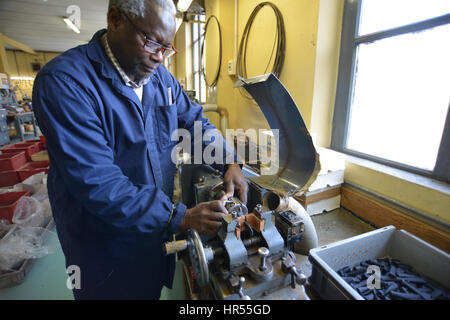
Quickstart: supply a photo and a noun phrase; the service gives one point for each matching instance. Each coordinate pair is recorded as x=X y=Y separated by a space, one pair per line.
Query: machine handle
x=301 y=279
x=175 y=246
x=241 y=290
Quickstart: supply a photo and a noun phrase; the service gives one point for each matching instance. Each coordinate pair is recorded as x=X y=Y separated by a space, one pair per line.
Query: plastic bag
x=41 y=193
x=42 y=196
x=35 y=183
x=23 y=243
x=5 y=226
x=28 y=212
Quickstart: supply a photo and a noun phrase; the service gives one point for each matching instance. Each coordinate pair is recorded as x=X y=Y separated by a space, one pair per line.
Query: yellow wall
x=19 y=65
x=326 y=70
x=300 y=18
x=313 y=30
x=430 y=200
x=183 y=59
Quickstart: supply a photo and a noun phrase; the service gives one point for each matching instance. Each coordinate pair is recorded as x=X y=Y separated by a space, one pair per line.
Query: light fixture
x=183 y=5
x=71 y=25
x=22 y=78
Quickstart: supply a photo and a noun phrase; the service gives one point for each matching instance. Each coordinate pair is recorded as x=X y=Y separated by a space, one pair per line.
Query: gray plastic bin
x=421 y=256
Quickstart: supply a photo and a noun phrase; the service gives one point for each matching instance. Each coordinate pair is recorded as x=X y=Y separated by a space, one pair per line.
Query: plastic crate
x=8 y=203
x=31 y=143
x=9 y=178
x=29 y=148
x=43 y=143
x=12 y=161
x=31 y=168
x=421 y=256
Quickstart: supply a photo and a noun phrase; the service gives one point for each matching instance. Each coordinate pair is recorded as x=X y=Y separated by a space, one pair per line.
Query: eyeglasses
x=151 y=46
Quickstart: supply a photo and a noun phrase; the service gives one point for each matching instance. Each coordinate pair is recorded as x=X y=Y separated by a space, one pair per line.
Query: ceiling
x=39 y=24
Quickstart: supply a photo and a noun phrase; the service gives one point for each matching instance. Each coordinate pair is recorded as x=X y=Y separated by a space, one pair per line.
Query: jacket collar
x=98 y=55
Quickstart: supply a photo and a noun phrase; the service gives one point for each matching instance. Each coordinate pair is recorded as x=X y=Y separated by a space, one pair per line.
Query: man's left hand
x=235 y=181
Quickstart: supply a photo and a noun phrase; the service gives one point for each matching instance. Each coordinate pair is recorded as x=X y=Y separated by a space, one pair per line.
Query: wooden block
x=381 y=213
x=315 y=196
x=40 y=156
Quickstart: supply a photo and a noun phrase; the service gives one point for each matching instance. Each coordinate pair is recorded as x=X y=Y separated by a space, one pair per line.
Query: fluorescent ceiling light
x=22 y=78
x=71 y=25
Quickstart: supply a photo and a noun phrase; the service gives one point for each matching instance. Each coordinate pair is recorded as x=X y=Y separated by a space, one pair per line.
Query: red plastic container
x=29 y=143
x=12 y=161
x=43 y=143
x=30 y=148
x=31 y=168
x=9 y=178
x=8 y=203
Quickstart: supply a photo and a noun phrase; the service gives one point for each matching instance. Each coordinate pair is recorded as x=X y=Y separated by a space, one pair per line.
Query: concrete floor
x=337 y=225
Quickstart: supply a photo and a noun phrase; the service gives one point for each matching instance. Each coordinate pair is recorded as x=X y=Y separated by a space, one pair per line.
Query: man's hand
x=235 y=181
x=206 y=217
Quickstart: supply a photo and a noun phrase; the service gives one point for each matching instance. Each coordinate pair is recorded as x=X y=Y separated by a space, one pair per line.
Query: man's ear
x=114 y=19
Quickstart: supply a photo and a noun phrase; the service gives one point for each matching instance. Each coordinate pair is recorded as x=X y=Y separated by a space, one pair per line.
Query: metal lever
x=288 y=266
x=300 y=278
x=241 y=289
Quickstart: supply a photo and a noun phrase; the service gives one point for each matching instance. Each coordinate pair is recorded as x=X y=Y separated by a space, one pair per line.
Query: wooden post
x=17 y=44
x=4 y=68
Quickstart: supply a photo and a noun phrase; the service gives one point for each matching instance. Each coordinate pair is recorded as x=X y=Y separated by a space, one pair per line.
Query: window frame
x=345 y=85
x=197 y=40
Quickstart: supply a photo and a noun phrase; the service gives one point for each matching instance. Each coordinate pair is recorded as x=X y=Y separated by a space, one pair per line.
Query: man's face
x=125 y=36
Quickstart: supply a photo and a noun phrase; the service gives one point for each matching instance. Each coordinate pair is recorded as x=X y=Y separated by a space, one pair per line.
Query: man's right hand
x=205 y=218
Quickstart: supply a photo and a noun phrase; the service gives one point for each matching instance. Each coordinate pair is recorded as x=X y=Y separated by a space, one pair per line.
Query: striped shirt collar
x=116 y=65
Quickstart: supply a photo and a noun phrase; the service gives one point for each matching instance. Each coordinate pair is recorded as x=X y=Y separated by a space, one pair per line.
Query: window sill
x=414 y=178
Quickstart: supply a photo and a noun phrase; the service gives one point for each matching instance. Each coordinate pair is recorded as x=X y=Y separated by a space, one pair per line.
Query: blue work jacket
x=111 y=176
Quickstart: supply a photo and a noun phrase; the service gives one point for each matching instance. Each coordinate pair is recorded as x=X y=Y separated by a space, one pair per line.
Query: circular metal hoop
x=219 y=62
x=198 y=258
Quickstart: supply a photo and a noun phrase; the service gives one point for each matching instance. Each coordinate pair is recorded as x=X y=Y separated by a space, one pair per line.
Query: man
x=107 y=110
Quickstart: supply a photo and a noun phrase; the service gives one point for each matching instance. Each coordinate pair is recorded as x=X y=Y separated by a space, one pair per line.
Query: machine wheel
x=198 y=258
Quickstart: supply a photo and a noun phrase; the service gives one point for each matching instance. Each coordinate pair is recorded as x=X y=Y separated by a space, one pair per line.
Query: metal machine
x=253 y=247
x=253 y=253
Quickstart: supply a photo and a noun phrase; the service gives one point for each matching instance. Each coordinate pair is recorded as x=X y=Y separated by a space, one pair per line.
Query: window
x=393 y=91
x=197 y=40
x=168 y=64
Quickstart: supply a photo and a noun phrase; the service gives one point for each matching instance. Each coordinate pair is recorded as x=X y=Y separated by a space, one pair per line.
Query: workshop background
x=32 y=33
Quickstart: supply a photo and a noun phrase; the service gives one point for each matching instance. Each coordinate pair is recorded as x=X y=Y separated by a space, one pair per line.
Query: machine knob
x=263 y=253
x=241 y=289
x=301 y=279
